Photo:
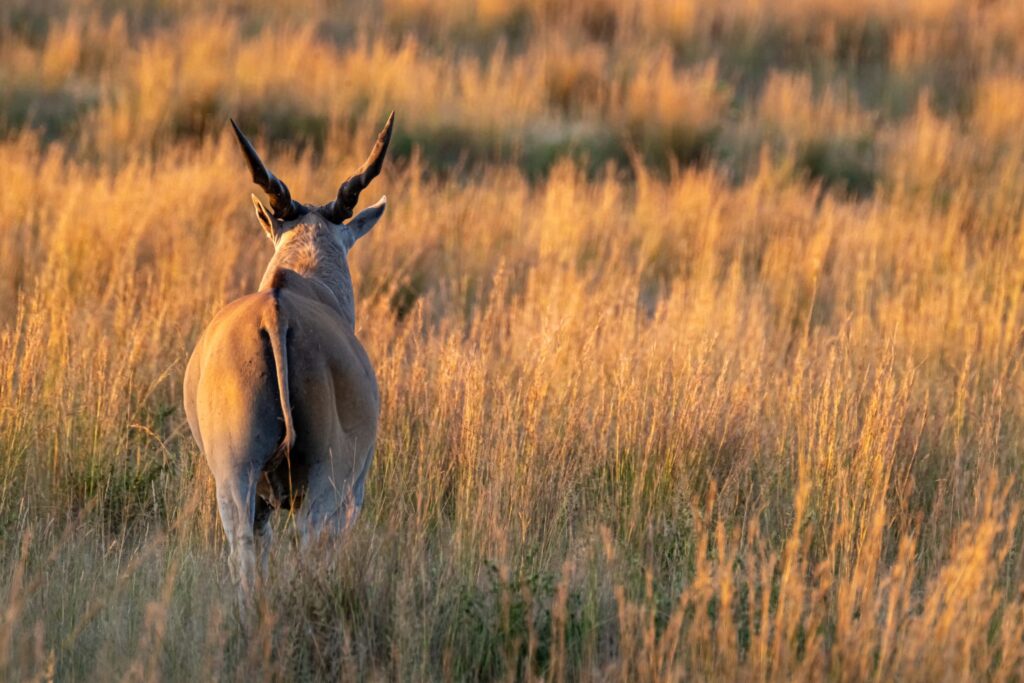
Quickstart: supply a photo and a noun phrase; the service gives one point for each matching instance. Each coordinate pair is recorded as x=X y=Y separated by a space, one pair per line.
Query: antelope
x=279 y=394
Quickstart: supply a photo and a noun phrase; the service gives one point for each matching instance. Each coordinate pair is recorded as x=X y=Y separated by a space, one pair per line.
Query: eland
x=279 y=394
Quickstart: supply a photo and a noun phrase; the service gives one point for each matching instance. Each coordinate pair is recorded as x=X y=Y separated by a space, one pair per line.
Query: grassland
x=699 y=332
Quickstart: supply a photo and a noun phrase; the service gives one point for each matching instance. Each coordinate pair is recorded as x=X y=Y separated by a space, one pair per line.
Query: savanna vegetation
x=698 y=326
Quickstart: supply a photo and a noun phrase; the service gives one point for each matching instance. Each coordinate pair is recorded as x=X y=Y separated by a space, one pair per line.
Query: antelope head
x=286 y=214
x=314 y=240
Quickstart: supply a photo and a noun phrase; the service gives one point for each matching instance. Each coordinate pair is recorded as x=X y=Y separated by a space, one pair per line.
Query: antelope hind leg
x=236 y=501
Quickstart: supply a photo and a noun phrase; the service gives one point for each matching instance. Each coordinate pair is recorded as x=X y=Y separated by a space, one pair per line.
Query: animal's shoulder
x=280 y=278
x=288 y=288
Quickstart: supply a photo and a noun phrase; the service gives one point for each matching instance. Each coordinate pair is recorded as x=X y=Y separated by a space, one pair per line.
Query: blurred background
x=831 y=84
x=699 y=330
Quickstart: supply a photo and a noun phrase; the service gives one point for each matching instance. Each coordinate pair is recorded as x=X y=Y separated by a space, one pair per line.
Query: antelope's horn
x=281 y=203
x=348 y=194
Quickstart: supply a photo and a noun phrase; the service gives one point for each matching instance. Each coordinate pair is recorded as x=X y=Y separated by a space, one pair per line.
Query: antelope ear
x=264 y=217
x=364 y=221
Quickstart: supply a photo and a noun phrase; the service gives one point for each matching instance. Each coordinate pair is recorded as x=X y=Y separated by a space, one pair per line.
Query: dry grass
x=757 y=417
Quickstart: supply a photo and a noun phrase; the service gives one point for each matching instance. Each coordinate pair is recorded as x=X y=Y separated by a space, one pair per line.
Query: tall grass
x=745 y=403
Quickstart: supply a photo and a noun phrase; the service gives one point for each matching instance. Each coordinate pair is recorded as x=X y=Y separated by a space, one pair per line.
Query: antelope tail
x=277 y=332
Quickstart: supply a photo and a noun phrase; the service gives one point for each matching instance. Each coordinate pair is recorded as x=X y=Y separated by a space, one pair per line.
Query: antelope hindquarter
x=279 y=394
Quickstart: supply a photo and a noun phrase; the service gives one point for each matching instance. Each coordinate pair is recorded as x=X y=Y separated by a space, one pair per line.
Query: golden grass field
x=699 y=331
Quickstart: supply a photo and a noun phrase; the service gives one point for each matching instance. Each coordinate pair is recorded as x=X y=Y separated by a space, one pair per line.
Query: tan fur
x=281 y=396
